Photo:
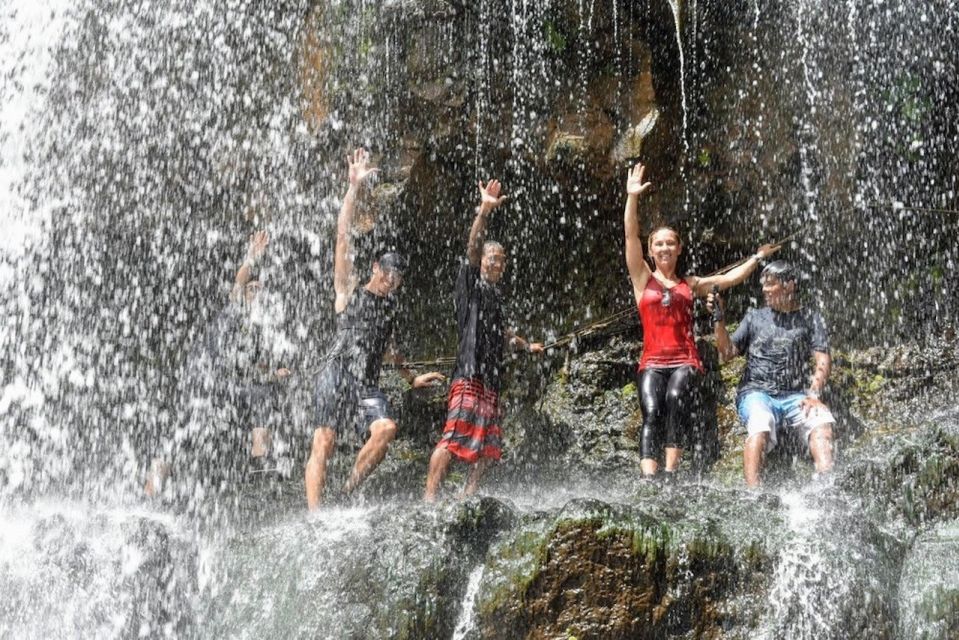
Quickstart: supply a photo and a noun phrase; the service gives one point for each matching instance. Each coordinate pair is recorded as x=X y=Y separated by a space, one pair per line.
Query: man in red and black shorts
x=472 y=432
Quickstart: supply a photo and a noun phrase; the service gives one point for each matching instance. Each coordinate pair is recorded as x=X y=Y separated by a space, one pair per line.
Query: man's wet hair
x=782 y=271
x=493 y=244
x=393 y=261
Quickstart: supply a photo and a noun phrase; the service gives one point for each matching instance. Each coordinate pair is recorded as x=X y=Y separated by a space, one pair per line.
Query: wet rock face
x=385 y=572
x=929 y=592
x=550 y=98
x=602 y=571
x=596 y=586
x=454 y=92
x=99 y=575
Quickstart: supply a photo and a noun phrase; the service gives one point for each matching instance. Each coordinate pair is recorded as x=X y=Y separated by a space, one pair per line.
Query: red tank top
x=668 y=330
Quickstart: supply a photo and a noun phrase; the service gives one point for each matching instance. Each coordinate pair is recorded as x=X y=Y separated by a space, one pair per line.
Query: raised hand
x=634 y=181
x=257 y=246
x=360 y=168
x=767 y=250
x=490 y=197
x=430 y=379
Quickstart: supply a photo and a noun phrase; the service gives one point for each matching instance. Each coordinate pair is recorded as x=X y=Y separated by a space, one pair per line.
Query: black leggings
x=667 y=396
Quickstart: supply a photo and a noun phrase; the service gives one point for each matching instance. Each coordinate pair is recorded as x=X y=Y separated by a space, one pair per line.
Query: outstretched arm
x=490 y=198
x=520 y=343
x=416 y=381
x=702 y=286
x=639 y=272
x=254 y=252
x=359 y=171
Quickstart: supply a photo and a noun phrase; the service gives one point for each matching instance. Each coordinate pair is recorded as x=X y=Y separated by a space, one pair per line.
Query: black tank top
x=363 y=332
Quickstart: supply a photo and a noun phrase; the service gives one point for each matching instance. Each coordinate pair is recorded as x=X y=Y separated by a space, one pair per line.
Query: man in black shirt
x=777 y=390
x=346 y=390
x=472 y=431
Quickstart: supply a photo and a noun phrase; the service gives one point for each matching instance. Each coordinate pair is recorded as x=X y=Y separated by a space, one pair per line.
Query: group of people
x=778 y=392
x=346 y=392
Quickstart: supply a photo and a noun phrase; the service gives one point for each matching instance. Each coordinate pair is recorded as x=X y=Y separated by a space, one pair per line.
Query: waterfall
x=143 y=144
x=465 y=622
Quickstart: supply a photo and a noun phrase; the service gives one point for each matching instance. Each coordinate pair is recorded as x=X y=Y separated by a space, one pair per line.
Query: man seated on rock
x=346 y=390
x=777 y=392
x=472 y=431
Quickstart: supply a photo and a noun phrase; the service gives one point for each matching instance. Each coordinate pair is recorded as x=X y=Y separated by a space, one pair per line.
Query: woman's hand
x=767 y=250
x=635 y=186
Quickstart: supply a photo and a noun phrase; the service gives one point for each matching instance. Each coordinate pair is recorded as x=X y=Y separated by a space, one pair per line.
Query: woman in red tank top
x=670 y=364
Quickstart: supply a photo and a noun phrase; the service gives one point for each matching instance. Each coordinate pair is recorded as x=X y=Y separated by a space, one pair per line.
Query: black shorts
x=340 y=401
x=264 y=405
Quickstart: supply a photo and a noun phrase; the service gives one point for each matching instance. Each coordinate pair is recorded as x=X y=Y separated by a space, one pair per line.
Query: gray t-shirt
x=779 y=348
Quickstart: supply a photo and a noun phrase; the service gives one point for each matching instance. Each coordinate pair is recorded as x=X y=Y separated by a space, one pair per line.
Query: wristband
x=812 y=393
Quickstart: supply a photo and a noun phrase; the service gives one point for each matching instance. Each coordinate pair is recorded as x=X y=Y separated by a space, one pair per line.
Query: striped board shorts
x=472 y=428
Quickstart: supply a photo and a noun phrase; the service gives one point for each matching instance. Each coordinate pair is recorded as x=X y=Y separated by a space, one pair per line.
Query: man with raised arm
x=346 y=390
x=230 y=379
x=777 y=391
x=472 y=431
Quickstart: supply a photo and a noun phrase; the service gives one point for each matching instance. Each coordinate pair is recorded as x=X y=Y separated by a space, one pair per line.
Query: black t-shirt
x=779 y=348
x=363 y=332
x=482 y=331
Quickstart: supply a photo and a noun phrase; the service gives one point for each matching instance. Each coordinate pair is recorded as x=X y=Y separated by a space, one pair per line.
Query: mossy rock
x=909 y=476
x=609 y=571
x=929 y=590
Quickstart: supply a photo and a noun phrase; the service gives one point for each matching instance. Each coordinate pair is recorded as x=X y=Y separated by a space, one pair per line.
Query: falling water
x=468 y=612
x=142 y=145
x=677 y=8
x=26 y=50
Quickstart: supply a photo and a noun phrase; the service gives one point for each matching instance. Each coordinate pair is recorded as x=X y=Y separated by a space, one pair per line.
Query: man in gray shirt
x=778 y=391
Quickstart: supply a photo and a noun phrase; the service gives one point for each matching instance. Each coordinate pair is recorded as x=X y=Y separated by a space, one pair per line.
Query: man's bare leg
x=156 y=477
x=673 y=457
x=382 y=433
x=476 y=472
x=439 y=466
x=820 y=446
x=753 y=454
x=320 y=453
x=261 y=442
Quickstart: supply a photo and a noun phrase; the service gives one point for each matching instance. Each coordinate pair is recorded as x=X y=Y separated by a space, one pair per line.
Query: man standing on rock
x=472 y=431
x=777 y=391
x=346 y=390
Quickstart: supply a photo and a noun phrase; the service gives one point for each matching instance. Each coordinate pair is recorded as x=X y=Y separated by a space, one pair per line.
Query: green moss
x=704 y=158
x=518 y=559
x=554 y=38
x=941 y=605
x=731 y=372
